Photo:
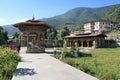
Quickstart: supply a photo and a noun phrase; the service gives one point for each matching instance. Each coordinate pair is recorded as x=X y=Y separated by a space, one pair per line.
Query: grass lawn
x=104 y=63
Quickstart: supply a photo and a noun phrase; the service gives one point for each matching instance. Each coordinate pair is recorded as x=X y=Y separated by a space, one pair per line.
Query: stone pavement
x=45 y=67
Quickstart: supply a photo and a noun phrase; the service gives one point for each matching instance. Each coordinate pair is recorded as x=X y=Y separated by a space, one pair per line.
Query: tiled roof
x=85 y=35
x=32 y=23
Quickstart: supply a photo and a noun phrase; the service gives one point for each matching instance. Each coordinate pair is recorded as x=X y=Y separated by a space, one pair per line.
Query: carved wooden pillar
x=95 y=43
x=99 y=42
x=43 y=39
x=88 y=43
x=82 y=43
x=102 y=42
x=38 y=39
x=21 y=41
x=27 y=38
x=67 y=43
x=70 y=43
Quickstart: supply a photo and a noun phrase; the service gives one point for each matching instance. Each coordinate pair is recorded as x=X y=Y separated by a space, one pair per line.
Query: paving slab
x=45 y=67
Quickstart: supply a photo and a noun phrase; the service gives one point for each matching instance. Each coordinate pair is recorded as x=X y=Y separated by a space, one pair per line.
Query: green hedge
x=8 y=62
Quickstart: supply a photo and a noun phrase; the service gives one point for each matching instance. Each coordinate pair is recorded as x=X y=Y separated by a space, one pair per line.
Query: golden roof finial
x=33 y=18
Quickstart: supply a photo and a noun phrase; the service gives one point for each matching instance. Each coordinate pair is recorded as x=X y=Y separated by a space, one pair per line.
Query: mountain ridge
x=10 y=29
x=77 y=15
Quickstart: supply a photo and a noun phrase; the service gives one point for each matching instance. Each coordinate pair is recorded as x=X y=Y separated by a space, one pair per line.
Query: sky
x=14 y=11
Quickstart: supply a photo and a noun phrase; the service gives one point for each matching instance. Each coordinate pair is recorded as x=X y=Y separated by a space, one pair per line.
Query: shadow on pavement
x=25 y=61
x=24 y=72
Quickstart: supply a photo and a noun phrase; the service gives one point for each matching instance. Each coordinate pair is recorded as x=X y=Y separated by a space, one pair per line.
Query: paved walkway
x=45 y=67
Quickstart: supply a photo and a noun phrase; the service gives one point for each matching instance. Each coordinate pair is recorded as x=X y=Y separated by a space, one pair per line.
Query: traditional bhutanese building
x=92 y=37
x=87 y=40
x=33 y=34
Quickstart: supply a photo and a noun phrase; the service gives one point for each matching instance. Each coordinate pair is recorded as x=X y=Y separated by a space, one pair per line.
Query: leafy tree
x=51 y=33
x=2 y=40
x=77 y=28
x=3 y=36
x=16 y=36
x=63 y=32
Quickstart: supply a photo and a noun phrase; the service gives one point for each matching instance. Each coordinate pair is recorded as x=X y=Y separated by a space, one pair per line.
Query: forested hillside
x=113 y=14
x=77 y=16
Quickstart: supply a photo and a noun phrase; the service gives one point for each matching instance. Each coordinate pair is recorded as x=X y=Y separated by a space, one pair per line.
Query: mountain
x=77 y=16
x=10 y=29
x=113 y=14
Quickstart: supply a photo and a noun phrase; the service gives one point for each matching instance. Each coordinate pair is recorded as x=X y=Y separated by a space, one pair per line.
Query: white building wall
x=87 y=28
x=99 y=26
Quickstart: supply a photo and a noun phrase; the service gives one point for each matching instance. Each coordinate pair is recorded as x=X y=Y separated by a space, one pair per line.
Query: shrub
x=69 y=54
x=57 y=56
x=62 y=55
x=8 y=62
x=84 y=67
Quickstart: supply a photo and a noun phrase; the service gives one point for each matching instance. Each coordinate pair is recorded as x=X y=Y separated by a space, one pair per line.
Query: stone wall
x=115 y=37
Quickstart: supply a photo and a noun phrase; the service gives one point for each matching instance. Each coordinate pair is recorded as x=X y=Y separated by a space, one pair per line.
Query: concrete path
x=45 y=67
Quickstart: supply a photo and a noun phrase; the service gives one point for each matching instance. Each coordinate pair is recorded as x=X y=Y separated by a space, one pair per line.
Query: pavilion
x=86 y=40
x=33 y=34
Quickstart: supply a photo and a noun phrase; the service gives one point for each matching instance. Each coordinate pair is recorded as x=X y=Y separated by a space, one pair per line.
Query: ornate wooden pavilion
x=33 y=34
x=88 y=40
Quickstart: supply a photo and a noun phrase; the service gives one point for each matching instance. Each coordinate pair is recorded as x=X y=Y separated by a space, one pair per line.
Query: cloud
x=23 y=20
x=2 y=20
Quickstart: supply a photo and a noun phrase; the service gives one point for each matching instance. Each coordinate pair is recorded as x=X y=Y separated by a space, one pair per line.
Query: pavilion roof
x=85 y=35
x=32 y=23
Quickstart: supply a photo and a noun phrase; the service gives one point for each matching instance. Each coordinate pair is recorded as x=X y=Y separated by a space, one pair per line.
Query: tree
x=77 y=28
x=51 y=33
x=16 y=36
x=3 y=36
x=63 y=32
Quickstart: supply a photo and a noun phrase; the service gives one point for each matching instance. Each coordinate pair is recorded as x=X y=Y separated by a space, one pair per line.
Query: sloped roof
x=32 y=23
x=85 y=35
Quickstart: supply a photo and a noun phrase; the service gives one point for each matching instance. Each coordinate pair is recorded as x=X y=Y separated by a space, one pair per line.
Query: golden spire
x=33 y=18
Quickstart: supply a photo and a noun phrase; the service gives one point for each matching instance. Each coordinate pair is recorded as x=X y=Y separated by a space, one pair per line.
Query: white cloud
x=23 y=20
x=2 y=20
